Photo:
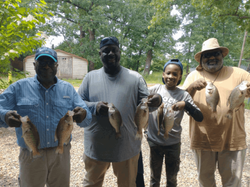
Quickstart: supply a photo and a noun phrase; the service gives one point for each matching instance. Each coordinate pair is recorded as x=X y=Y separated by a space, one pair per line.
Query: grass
x=247 y=104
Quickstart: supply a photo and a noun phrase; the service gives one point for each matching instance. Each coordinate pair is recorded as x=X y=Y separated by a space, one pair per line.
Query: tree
x=84 y=23
x=17 y=27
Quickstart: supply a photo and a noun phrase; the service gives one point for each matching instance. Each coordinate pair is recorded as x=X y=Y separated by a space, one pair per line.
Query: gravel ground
x=187 y=175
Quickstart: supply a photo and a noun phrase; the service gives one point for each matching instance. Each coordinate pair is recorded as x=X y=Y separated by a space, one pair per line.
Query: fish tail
x=138 y=136
x=166 y=135
x=36 y=154
x=213 y=115
x=59 y=150
x=118 y=135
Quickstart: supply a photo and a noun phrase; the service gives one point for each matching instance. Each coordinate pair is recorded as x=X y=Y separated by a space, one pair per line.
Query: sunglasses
x=215 y=54
x=44 y=63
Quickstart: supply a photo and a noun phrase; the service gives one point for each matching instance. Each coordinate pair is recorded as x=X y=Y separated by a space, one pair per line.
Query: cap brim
x=46 y=55
x=224 y=50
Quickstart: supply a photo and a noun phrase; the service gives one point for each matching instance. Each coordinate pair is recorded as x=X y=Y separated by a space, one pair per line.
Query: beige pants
x=125 y=172
x=51 y=169
x=230 y=166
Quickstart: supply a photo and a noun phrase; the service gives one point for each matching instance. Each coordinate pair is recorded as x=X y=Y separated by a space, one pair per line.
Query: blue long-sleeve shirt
x=45 y=107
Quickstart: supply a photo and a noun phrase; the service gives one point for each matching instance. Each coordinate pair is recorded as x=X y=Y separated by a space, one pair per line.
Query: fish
x=168 y=121
x=236 y=98
x=160 y=117
x=30 y=136
x=212 y=96
x=141 y=117
x=63 y=131
x=115 y=119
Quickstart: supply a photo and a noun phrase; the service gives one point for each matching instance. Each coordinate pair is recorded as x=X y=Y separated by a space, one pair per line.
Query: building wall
x=29 y=67
x=80 y=68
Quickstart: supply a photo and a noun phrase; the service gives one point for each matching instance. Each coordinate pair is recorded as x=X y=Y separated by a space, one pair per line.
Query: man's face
x=46 y=69
x=212 y=61
x=110 y=56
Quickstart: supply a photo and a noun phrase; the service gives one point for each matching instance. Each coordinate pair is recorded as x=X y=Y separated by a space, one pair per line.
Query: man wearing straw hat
x=217 y=140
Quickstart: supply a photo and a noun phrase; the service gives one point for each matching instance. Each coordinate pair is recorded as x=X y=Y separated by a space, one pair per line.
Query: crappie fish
x=212 y=96
x=115 y=119
x=160 y=117
x=141 y=117
x=168 y=121
x=30 y=136
x=63 y=131
x=236 y=97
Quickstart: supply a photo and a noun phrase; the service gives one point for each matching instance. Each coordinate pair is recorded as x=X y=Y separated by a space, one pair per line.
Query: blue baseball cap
x=173 y=61
x=45 y=51
x=109 y=41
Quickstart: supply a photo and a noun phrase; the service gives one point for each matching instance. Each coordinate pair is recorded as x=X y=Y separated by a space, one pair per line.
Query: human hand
x=199 y=84
x=12 y=118
x=79 y=114
x=102 y=108
x=154 y=100
x=179 y=105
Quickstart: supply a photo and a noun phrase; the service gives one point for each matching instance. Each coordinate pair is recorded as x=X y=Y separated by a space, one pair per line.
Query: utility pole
x=242 y=49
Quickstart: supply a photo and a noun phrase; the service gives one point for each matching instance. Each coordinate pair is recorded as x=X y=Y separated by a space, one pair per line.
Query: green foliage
x=83 y=24
x=17 y=26
x=16 y=75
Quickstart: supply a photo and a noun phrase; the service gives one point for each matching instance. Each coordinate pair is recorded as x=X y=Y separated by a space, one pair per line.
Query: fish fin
x=67 y=141
x=229 y=114
x=138 y=136
x=59 y=150
x=118 y=135
x=24 y=132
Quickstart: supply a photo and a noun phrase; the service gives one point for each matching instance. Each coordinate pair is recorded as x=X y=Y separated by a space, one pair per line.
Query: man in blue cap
x=125 y=89
x=45 y=100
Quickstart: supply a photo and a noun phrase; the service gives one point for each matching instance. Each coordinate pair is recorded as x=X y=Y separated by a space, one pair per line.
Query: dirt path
x=187 y=176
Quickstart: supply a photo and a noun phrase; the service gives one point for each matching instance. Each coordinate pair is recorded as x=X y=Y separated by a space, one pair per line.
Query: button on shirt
x=45 y=107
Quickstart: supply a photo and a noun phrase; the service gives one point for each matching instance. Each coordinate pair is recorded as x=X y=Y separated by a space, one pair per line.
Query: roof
x=58 y=50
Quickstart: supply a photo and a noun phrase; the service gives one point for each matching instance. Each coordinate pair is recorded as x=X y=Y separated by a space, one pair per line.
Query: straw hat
x=210 y=44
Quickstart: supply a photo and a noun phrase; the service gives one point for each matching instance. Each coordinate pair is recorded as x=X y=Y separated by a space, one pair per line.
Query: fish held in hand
x=212 y=96
x=160 y=117
x=115 y=119
x=141 y=117
x=236 y=98
x=30 y=136
x=168 y=121
x=63 y=131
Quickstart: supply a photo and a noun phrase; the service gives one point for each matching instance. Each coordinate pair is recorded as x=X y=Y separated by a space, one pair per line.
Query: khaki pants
x=125 y=172
x=51 y=169
x=230 y=166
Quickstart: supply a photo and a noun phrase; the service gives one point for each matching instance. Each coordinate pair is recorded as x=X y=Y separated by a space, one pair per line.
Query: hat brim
x=224 y=51
x=46 y=55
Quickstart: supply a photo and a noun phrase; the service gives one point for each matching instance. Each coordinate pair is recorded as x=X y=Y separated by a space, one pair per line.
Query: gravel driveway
x=187 y=176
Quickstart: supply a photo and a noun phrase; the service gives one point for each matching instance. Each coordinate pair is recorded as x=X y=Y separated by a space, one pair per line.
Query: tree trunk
x=91 y=38
x=138 y=61
x=148 y=61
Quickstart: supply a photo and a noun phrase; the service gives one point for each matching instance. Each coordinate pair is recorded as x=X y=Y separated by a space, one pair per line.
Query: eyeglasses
x=44 y=63
x=215 y=54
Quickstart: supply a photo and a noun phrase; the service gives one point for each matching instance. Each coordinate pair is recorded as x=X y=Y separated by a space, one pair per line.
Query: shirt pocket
x=61 y=107
x=28 y=107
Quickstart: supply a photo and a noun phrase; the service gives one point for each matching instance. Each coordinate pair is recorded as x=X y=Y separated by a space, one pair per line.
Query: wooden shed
x=69 y=65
